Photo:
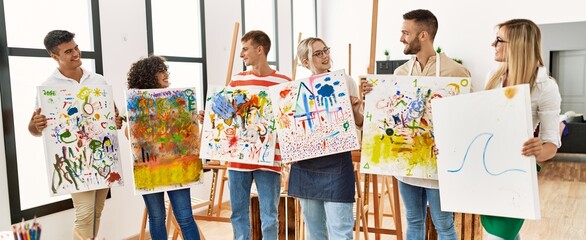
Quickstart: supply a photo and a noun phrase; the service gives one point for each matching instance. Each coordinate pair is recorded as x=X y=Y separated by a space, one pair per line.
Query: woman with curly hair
x=151 y=73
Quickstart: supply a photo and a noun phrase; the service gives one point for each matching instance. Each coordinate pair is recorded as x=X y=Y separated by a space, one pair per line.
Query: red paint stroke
x=284 y=93
x=424 y=122
x=114 y=176
x=181 y=101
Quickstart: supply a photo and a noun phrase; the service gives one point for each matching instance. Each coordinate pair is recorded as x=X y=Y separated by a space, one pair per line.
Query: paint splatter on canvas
x=81 y=139
x=239 y=125
x=398 y=137
x=164 y=139
x=314 y=117
x=480 y=166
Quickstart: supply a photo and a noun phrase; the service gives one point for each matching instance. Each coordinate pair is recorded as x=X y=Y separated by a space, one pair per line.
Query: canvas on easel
x=480 y=166
x=398 y=135
x=164 y=139
x=81 y=139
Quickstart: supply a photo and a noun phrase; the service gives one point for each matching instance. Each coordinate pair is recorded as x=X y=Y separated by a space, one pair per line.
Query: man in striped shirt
x=255 y=47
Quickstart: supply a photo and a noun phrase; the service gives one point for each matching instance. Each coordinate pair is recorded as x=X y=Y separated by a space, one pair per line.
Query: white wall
x=465 y=34
x=220 y=19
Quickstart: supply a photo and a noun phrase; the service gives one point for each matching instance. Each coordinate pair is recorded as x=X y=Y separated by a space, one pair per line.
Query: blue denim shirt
x=327 y=178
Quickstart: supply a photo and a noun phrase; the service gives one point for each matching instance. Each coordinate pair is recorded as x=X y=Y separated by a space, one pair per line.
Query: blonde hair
x=523 y=55
x=305 y=51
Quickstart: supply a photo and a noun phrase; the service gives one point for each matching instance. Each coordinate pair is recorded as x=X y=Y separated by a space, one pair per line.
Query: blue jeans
x=268 y=185
x=327 y=220
x=181 y=203
x=415 y=200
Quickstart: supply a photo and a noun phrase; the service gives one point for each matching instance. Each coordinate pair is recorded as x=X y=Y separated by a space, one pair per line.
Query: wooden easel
x=215 y=165
x=391 y=192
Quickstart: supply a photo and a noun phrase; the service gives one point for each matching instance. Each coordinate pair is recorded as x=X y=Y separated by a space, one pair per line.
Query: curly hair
x=55 y=38
x=142 y=74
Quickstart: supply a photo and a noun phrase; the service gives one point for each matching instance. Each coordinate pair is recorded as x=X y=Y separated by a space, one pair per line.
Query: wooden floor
x=562 y=190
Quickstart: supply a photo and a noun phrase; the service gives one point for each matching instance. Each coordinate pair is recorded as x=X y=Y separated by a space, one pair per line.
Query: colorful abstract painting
x=480 y=166
x=81 y=139
x=239 y=125
x=398 y=136
x=164 y=139
x=314 y=117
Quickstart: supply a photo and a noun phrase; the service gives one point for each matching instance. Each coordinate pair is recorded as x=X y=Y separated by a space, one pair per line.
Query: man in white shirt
x=63 y=49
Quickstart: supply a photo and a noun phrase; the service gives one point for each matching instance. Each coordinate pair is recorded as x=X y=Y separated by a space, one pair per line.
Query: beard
x=413 y=47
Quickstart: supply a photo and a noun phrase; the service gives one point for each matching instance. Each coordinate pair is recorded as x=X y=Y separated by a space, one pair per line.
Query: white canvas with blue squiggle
x=481 y=170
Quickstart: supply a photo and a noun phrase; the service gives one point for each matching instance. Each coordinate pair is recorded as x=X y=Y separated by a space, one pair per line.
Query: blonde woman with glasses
x=518 y=49
x=325 y=185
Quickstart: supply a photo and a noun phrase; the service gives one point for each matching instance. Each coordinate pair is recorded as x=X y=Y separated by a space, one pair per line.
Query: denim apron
x=327 y=178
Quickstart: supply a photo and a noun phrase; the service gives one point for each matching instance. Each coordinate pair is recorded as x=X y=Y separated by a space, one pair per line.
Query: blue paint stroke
x=326 y=90
x=307 y=110
x=240 y=98
x=72 y=111
x=327 y=105
x=484 y=158
x=265 y=154
x=222 y=107
x=332 y=135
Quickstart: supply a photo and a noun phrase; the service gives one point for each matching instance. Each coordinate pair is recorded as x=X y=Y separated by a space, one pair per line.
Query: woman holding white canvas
x=518 y=49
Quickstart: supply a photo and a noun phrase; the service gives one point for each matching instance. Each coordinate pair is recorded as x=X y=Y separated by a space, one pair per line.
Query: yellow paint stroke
x=415 y=152
x=187 y=169
x=510 y=92
x=378 y=149
x=455 y=87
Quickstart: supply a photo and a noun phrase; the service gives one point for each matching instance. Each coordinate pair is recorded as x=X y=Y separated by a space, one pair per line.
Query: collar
x=85 y=75
x=542 y=74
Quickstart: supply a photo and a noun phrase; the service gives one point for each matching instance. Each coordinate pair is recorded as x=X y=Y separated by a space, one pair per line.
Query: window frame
x=294 y=35
x=274 y=42
x=202 y=59
x=16 y=214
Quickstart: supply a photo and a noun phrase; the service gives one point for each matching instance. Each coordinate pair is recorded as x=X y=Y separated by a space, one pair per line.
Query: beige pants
x=83 y=203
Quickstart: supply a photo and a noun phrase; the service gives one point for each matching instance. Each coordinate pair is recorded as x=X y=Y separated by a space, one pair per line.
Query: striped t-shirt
x=248 y=78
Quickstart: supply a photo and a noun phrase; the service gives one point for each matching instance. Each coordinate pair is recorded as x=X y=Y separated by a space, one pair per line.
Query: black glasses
x=498 y=40
x=321 y=53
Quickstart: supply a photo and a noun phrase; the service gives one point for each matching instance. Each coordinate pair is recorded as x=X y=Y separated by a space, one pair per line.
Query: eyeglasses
x=498 y=40
x=321 y=53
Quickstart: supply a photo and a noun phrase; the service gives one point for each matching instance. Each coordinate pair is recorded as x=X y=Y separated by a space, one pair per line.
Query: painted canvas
x=164 y=139
x=398 y=135
x=480 y=166
x=81 y=139
x=239 y=125
x=314 y=117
